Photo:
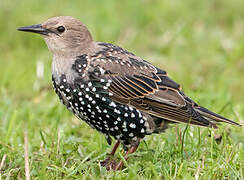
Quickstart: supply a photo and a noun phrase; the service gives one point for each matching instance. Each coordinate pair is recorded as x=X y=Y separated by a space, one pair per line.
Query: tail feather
x=213 y=116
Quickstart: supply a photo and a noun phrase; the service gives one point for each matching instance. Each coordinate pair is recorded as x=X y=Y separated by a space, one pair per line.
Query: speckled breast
x=90 y=101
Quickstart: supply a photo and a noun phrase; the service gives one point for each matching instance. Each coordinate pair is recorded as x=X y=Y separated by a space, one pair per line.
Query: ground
x=199 y=43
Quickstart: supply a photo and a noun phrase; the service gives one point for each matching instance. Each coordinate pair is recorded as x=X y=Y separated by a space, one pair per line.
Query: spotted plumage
x=114 y=91
x=91 y=100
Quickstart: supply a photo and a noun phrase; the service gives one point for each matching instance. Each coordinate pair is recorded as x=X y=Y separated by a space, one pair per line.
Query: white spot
x=109 y=81
x=110 y=94
x=100 y=118
x=80 y=93
x=76 y=104
x=112 y=104
x=108 y=84
x=131 y=134
x=74 y=90
x=105 y=111
x=140 y=114
x=102 y=70
x=89 y=110
x=131 y=108
x=97 y=96
x=68 y=97
x=99 y=111
x=126 y=115
x=116 y=128
x=115 y=122
x=107 y=116
x=118 y=119
x=125 y=129
x=97 y=107
x=132 y=115
x=79 y=66
x=132 y=125
x=141 y=121
x=124 y=124
x=93 y=102
x=61 y=87
x=83 y=75
x=82 y=86
x=92 y=116
x=111 y=129
x=80 y=99
x=93 y=112
x=83 y=103
x=87 y=96
x=102 y=80
x=103 y=99
x=89 y=106
x=94 y=89
x=105 y=87
x=90 y=99
x=89 y=84
x=81 y=108
x=126 y=108
x=67 y=90
x=87 y=89
x=142 y=130
x=146 y=125
x=64 y=80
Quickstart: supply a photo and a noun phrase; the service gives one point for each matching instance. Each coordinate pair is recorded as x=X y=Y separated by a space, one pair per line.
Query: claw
x=109 y=164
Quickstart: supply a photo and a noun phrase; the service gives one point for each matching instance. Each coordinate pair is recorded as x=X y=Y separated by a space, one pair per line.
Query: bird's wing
x=138 y=83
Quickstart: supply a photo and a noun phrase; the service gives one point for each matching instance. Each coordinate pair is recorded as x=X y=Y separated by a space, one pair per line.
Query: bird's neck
x=62 y=65
x=63 y=61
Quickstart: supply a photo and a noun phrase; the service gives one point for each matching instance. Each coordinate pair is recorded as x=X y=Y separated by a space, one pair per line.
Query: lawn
x=199 y=43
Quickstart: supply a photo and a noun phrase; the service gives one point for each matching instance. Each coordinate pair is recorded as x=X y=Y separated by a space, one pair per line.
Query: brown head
x=62 y=34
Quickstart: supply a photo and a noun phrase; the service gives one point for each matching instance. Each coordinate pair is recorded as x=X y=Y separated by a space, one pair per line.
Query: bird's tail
x=213 y=117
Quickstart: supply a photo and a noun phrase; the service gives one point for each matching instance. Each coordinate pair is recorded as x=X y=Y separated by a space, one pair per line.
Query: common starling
x=114 y=91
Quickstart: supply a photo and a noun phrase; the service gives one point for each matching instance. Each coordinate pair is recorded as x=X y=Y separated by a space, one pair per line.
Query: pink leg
x=130 y=151
x=108 y=162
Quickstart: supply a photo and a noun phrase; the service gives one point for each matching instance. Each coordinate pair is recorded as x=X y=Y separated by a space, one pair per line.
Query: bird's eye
x=61 y=29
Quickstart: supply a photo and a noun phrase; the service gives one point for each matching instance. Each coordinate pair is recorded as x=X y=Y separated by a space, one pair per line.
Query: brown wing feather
x=149 y=89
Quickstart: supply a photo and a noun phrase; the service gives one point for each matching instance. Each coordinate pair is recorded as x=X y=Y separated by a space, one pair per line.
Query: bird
x=114 y=91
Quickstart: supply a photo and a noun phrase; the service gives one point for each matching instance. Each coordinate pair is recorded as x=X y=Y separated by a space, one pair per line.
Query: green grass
x=199 y=43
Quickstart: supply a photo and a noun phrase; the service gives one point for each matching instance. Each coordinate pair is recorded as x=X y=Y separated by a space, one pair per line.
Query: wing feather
x=149 y=89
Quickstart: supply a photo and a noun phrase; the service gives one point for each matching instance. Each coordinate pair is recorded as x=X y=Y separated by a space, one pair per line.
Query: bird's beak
x=37 y=28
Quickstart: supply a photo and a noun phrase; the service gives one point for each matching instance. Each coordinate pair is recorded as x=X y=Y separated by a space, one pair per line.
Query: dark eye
x=61 y=29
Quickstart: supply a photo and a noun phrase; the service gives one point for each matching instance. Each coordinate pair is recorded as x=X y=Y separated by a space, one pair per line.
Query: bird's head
x=62 y=34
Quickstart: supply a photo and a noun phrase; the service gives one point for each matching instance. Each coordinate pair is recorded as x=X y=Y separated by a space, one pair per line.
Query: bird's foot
x=109 y=164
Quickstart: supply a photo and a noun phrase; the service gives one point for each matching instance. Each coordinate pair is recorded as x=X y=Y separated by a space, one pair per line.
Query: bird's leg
x=109 y=163
x=130 y=151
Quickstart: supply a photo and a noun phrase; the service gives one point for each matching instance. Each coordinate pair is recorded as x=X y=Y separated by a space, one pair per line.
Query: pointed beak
x=37 y=28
